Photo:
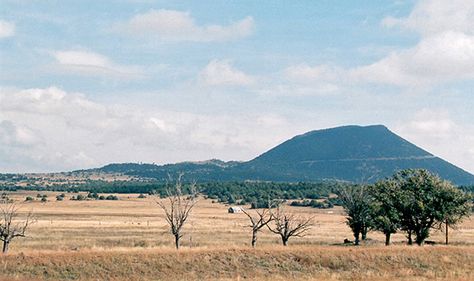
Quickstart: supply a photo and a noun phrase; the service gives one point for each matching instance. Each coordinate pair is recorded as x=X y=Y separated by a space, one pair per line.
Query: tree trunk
x=364 y=233
x=254 y=239
x=176 y=241
x=410 y=240
x=420 y=241
x=447 y=234
x=356 y=236
x=420 y=238
x=5 y=246
x=387 y=239
x=285 y=241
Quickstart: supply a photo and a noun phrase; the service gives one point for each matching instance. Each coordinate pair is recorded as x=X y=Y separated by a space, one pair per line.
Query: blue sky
x=85 y=83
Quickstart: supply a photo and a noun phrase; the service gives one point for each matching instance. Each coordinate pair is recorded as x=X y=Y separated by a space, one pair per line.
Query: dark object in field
x=233 y=210
x=347 y=241
x=429 y=242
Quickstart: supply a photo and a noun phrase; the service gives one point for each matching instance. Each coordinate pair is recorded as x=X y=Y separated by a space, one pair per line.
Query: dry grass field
x=128 y=240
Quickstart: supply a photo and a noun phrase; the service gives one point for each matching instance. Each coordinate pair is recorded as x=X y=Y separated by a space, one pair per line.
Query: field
x=128 y=240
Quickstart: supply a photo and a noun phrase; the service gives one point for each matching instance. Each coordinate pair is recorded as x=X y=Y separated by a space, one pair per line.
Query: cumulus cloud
x=7 y=29
x=90 y=63
x=171 y=25
x=443 y=57
x=437 y=131
x=53 y=130
x=223 y=73
x=445 y=52
x=437 y=16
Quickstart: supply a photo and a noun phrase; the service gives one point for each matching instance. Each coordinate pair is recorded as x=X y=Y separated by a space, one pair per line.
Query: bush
x=111 y=197
x=325 y=204
x=141 y=196
x=79 y=197
x=92 y=195
x=29 y=198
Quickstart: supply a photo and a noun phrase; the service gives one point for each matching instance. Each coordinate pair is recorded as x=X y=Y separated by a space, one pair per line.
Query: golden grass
x=265 y=263
x=129 y=240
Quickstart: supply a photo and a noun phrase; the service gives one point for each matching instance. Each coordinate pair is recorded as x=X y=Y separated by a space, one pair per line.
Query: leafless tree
x=177 y=207
x=257 y=222
x=11 y=225
x=287 y=224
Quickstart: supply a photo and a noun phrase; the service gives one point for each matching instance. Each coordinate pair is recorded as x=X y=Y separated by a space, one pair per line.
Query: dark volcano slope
x=349 y=153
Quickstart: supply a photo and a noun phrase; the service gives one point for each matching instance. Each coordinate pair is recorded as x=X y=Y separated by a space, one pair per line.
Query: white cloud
x=223 y=73
x=7 y=29
x=90 y=63
x=306 y=73
x=437 y=132
x=439 y=58
x=445 y=52
x=437 y=16
x=171 y=25
x=54 y=130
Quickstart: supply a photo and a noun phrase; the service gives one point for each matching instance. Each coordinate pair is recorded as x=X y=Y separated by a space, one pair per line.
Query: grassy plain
x=128 y=240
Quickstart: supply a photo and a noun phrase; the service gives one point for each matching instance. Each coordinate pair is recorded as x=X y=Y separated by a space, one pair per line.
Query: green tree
x=385 y=215
x=454 y=206
x=356 y=203
x=426 y=201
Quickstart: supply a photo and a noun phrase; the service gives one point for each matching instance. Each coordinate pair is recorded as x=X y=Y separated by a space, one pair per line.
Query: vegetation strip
x=450 y=263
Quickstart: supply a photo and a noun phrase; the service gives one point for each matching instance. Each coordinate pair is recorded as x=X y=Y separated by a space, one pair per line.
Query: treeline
x=97 y=186
x=412 y=201
x=259 y=193
x=226 y=192
x=12 y=177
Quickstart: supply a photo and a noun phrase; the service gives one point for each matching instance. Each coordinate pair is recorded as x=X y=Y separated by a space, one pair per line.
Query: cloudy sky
x=86 y=83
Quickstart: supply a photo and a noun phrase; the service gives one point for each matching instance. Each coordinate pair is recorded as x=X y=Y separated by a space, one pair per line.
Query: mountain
x=349 y=153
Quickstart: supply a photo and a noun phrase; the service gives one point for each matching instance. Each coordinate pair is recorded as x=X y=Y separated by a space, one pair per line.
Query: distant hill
x=349 y=153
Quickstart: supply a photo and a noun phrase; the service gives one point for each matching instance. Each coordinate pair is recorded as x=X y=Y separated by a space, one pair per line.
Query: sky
x=87 y=83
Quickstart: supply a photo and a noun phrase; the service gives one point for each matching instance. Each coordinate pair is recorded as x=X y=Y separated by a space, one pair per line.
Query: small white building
x=234 y=209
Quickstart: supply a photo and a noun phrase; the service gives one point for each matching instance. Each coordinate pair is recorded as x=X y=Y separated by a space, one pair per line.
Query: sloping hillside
x=349 y=153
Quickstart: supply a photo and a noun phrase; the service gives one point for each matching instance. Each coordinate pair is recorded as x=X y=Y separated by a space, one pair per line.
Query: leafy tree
x=385 y=214
x=426 y=201
x=356 y=203
x=455 y=205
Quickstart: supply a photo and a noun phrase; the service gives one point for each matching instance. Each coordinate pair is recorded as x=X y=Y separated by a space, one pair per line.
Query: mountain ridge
x=347 y=153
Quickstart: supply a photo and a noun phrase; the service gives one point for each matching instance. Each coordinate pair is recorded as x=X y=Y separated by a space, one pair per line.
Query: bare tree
x=288 y=224
x=177 y=207
x=262 y=218
x=11 y=226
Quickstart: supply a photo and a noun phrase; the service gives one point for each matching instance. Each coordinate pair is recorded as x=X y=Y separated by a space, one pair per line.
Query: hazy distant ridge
x=348 y=153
